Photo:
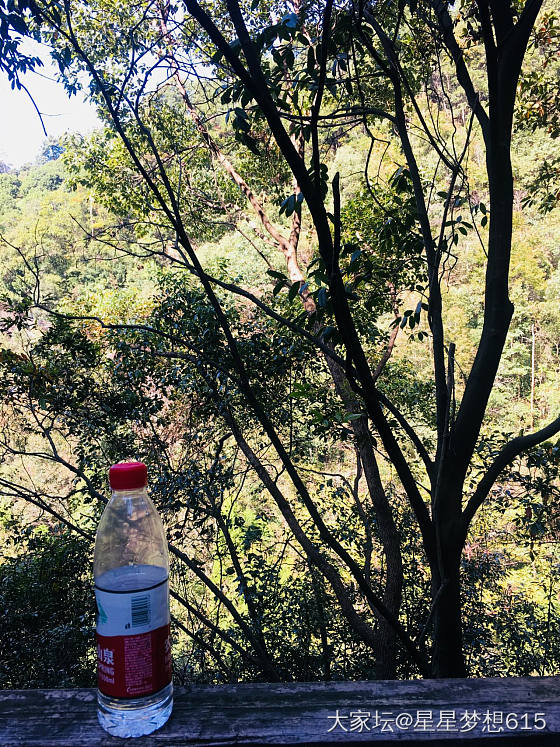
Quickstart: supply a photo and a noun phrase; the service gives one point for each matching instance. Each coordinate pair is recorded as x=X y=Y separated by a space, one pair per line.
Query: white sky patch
x=21 y=133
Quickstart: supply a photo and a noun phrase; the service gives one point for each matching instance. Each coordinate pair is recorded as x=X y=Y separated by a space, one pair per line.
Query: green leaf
x=294 y=289
x=290 y=20
x=290 y=205
x=276 y=274
x=249 y=142
x=17 y=23
x=355 y=256
x=311 y=60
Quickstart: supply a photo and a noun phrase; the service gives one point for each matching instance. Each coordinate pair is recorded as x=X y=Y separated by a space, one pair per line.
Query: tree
x=51 y=150
x=13 y=61
x=297 y=76
x=539 y=104
x=32 y=614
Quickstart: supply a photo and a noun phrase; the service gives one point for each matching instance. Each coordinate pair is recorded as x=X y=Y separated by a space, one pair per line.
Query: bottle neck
x=129 y=492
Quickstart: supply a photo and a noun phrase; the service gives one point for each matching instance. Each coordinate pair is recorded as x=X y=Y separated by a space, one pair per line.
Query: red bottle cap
x=128 y=475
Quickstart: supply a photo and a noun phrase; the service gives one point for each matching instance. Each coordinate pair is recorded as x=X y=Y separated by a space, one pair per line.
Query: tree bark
x=385 y=650
x=385 y=645
x=447 y=652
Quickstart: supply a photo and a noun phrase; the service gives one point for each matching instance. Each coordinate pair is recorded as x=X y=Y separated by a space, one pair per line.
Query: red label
x=131 y=666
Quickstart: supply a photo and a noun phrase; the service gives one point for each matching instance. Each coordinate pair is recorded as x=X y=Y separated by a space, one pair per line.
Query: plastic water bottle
x=131 y=570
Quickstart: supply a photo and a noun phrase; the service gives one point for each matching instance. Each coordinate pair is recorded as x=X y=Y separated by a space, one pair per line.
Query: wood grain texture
x=285 y=714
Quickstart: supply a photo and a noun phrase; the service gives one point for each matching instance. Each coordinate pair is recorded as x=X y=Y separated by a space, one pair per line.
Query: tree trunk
x=385 y=635
x=447 y=654
x=385 y=649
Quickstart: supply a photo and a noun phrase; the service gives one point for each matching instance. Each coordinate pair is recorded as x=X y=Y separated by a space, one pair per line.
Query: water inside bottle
x=131 y=578
x=133 y=717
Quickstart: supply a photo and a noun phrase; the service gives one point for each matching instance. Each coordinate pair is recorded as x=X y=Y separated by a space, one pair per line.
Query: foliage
x=13 y=26
x=47 y=615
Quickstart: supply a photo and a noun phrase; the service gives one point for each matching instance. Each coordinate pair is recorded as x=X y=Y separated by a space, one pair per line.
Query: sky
x=21 y=133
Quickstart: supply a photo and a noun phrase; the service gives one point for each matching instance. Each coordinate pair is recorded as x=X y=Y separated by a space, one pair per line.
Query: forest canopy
x=308 y=272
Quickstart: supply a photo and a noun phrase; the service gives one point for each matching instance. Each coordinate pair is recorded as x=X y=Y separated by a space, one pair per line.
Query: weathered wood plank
x=305 y=714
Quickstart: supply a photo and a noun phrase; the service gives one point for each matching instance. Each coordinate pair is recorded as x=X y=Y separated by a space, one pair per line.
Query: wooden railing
x=419 y=712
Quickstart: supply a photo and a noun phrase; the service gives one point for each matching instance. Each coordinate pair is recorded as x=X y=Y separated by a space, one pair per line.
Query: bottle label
x=133 y=646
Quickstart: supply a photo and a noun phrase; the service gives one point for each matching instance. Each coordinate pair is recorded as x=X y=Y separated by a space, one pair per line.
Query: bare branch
x=463 y=75
x=508 y=453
